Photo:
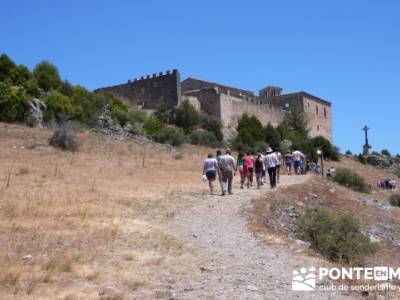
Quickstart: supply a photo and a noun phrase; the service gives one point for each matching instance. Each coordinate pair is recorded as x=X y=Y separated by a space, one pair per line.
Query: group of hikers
x=225 y=166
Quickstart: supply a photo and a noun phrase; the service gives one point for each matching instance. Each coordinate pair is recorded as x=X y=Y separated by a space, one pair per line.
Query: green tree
x=272 y=137
x=47 y=76
x=13 y=103
x=213 y=125
x=6 y=65
x=20 y=75
x=386 y=152
x=253 y=126
x=325 y=145
x=186 y=116
x=59 y=107
x=295 y=120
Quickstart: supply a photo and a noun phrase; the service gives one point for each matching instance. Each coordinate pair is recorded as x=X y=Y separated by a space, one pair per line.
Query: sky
x=347 y=52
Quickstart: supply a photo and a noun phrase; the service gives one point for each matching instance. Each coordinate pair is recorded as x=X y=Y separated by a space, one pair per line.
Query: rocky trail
x=235 y=264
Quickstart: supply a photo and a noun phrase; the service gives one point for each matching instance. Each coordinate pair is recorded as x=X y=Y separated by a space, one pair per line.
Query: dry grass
x=90 y=224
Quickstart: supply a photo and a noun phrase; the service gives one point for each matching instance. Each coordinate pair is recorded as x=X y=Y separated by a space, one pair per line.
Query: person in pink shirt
x=249 y=161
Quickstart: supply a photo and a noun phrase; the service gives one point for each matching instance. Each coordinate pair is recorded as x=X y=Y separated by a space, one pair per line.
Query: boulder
x=380 y=161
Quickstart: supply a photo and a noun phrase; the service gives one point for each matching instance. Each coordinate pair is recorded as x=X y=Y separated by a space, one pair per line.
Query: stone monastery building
x=224 y=102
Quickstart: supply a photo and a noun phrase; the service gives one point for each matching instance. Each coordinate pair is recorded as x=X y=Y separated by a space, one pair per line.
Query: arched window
x=325 y=114
x=316 y=109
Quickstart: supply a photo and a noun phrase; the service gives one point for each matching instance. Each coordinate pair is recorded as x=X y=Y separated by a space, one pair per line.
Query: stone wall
x=233 y=108
x=319 y=117
x=147 y=91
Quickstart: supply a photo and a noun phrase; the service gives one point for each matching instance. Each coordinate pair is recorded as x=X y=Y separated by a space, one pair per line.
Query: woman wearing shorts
x=249 y=160
x=259 y=167
x=242 y=167
x=288 y=162
x=210 y=169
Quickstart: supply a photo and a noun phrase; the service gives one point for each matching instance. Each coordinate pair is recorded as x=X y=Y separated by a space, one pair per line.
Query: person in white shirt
x=297 y=157
x=210 y=170
x=270 y=162
x=278 y=166
x=228 y=170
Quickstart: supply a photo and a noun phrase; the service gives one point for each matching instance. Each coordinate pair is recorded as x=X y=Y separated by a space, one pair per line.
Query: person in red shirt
x=249 y=161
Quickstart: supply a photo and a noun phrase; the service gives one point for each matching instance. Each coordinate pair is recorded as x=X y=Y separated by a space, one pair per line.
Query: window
x=325 y=114
x=317 y=127
x=316 y=109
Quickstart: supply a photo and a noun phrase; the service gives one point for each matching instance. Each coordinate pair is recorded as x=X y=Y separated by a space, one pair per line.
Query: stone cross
x=366 y=147
x=366 y=128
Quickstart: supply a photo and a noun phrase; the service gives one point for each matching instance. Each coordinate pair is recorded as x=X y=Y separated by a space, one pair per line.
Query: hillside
x=132 y=220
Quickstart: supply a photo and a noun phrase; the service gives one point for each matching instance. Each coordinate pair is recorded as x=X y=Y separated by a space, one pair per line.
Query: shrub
x=171 y=135
x=252 y=126
x=395 y=199
x=205 y=138
x=385 y=152
x=212 y=124
x=14 y=105
x=337 y=237
x=361 y=158
x=58 y=107
x=64 y=139
x=47 y=76
x=348 y=153
x=186 y=116
x=351 y=180
x=153 y=126
x=325 y=145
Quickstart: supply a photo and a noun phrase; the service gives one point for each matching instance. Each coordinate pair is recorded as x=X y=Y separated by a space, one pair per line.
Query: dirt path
x=235 y=264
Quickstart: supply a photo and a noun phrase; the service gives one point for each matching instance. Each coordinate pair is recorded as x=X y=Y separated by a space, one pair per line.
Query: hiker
x=227 y=165
x=263 y=171
x=331 y=172
x=270 y=162
x=259 y=166
x=242 y=167
x=210 y=170
x=288 y=162
x=297 y=157
x=278 y=166
x=249 y=159
x=218 y=158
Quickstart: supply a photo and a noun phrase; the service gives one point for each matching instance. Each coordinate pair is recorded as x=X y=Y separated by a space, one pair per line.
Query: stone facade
x=226 y=103
x=148 y=90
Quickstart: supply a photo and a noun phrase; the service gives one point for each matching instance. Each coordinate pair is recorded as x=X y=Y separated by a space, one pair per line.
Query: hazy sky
x=347 y=52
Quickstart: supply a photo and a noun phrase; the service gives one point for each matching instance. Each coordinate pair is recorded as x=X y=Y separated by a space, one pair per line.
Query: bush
x=336 y=237
x=205 y=138
x=186 y=116
x=47 y=76
x=325 y=145
x=351 y=180
x=14 y=105
x=212 y=124
x=65 y=139
x=153 y=126
x=361 y=158
x=348 y=153
x=395 y=200
x=385 y=152
x=171 y=135
x=59 y=107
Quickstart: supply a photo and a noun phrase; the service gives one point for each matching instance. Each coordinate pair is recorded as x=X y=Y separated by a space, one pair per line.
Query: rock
x=379 y=161
x=302 y=243
x=36 y=109
x=332 y=190
x=315 y=196
x=27 y=258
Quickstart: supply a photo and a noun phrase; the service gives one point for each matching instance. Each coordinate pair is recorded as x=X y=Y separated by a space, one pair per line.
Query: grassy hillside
x=87 y=224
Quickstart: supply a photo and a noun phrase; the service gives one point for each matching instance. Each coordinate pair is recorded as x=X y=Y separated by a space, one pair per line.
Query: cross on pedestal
x=366 y=147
